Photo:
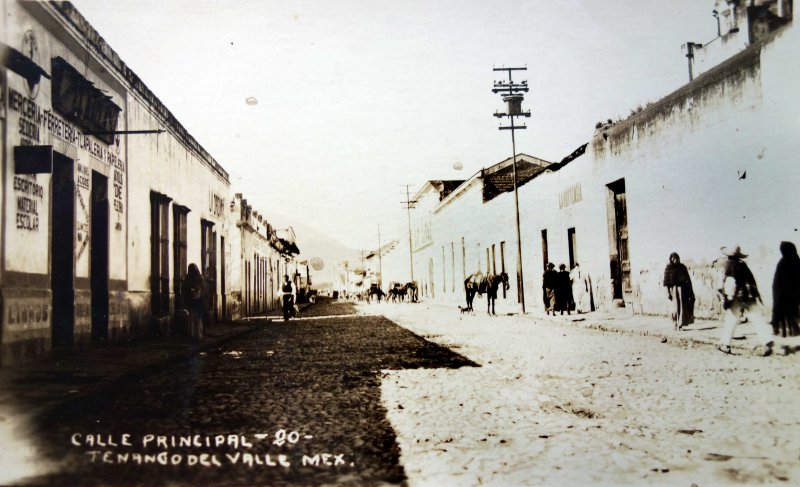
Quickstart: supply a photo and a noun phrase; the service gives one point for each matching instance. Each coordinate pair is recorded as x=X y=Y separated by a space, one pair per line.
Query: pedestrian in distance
x=679 y=292
x=195 y=295
x=741 y=299
x=786 y=293
x=288 y=296
x=563 y=290
x=549 y=280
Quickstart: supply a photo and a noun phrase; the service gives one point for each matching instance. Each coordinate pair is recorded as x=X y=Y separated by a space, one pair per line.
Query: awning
x=21 y=64
x=499 y=179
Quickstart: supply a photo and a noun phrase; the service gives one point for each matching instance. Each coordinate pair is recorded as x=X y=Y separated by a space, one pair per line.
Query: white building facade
x=712 y=164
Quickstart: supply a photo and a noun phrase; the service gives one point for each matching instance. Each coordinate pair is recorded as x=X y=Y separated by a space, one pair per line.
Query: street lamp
x=512 y=95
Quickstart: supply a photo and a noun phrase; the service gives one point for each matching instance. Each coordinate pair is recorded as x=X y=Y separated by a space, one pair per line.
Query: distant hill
x=313 y=243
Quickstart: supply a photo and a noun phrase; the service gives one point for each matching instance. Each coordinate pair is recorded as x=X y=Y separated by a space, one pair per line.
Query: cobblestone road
x=313 y=383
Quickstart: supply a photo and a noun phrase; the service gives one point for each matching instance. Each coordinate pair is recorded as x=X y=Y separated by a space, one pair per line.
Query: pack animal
x=489 y=286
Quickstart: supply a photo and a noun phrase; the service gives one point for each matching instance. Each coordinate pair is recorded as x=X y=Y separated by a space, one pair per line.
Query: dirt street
x=555 y=403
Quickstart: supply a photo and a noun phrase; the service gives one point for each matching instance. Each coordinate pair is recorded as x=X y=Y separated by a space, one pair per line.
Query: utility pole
x=380 y=262
x=512 y=95
x=409 y=204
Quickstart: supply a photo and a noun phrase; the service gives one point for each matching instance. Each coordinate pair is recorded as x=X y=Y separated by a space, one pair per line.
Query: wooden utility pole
x=512 y=95
x=380 y=262
x=409 y=204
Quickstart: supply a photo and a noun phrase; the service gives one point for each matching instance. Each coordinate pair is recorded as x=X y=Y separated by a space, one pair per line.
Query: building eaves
x=737 y=66
x=458 y=191
x=101 y=48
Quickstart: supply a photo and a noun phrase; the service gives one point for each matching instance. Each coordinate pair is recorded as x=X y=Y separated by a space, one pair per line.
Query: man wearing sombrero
x=740 y=299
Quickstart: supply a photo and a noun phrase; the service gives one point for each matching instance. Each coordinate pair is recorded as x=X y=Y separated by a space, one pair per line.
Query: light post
x=512 y=95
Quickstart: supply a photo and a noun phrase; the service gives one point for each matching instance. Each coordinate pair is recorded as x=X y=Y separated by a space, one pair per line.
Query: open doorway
x=99 y=257
x=572 y=244
x=62 y=250
x=618 y=236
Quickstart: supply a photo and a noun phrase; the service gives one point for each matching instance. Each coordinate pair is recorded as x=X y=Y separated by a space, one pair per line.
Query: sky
x=356 y=99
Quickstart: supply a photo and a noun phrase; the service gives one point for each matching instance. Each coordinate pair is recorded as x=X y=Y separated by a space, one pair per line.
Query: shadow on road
x=297 y=402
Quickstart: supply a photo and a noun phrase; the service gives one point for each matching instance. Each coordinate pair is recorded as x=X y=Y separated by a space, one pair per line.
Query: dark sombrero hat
x=733 y=251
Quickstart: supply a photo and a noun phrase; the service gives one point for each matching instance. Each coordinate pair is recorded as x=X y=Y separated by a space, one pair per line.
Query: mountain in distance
x=313 y=243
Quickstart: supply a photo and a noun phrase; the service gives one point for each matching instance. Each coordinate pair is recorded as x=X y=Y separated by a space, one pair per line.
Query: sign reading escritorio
x=29 y=195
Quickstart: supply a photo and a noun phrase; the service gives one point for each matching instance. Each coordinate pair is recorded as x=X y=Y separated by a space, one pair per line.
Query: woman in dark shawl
x=549 y=280
x=786 y=292
x=195 y=296
x=680 y=292
x=563 y=290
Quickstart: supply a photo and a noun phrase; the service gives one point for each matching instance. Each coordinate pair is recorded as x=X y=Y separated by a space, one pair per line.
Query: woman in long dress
x=195 y=289
x=680 y=292
x=578 y=289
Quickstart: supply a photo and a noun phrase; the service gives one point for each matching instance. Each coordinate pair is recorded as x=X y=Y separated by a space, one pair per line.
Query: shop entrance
x=618 y=231
x=99 y=257
x=62 y=250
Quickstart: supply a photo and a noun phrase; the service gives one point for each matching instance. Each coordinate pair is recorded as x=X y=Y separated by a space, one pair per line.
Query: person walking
x=741 y=299
x=195 y=298
x=288 y=295
x=786 y=293
x=549 y=281
x=563 y=290
x=679 y=291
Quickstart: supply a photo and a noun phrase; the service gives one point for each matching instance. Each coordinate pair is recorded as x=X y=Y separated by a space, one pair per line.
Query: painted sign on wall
x=29 y=195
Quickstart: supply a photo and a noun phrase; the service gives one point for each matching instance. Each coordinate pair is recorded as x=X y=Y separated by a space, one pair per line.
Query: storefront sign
x=29 y=195
x=27 y=314
x=118 y=184
x=216 y=204
x=34 y=120
x=570 y=196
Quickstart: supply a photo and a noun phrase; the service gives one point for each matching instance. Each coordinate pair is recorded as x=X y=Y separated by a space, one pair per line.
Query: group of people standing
x=740 y=297
x=564 y=290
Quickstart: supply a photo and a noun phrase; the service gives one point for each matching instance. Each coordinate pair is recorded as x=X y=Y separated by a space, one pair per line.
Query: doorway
x=222 y=277
x=618 y=233
x=545 y=255
x=572 y=244
x=99 y=257
x=62 y=250
x=430 y=276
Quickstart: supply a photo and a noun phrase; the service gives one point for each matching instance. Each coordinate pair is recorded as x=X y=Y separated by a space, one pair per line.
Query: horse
x=489 y=285
x=397 y=292
x=410 y=288
x=375 y=291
